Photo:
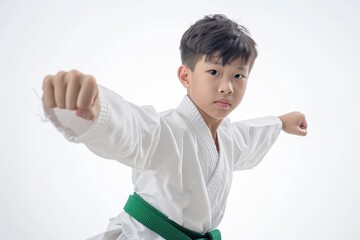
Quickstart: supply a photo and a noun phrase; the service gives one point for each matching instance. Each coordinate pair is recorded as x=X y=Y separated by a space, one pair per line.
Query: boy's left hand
x=294 y=123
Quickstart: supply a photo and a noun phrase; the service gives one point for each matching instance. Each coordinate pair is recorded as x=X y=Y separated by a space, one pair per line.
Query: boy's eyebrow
x=219 y=63
x=241 y=68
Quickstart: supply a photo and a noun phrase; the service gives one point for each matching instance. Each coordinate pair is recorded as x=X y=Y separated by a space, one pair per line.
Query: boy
x=182 y=159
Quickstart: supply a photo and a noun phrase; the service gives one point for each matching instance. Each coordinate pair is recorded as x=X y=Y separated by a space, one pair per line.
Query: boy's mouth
x=223 y=103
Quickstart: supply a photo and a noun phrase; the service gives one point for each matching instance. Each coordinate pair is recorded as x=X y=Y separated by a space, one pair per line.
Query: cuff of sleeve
x=72 y=127
x=99 y=123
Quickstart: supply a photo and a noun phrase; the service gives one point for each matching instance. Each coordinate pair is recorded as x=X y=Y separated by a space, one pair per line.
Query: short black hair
x=216 y=34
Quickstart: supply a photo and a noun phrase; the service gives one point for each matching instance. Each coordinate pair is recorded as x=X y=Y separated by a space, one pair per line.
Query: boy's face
x=216 y=90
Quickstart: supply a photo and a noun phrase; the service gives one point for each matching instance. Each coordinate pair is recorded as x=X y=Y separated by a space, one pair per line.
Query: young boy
x=182 y=159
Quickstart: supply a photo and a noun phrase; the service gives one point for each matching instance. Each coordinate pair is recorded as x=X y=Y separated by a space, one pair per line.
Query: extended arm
x=117 y=129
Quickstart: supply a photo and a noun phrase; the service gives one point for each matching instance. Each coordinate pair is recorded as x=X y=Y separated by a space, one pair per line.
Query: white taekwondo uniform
x=175 y=162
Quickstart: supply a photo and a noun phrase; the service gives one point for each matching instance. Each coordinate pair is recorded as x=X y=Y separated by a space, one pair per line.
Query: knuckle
x=69 y=77
x=59 y=78
x=73 y=76
x=48 y=79
x=60 y=73
x=89 y=79
x=89 y=82
x=75 y=73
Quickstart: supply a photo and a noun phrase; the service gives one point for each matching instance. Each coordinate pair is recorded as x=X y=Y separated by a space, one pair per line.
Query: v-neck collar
x=189 y=110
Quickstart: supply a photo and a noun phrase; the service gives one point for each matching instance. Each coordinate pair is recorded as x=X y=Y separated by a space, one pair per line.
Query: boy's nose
x=226 y=87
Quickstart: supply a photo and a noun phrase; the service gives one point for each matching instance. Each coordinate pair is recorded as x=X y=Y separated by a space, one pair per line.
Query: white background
x=306 y=188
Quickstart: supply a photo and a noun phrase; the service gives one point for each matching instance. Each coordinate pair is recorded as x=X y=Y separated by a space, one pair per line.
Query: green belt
x=153 y=219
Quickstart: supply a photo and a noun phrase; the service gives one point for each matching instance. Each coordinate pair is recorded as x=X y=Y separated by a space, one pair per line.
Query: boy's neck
x=212 y=124
x=213 y=129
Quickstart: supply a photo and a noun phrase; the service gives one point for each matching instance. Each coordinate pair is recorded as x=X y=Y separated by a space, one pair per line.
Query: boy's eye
x=213 y=72
x=239 y=76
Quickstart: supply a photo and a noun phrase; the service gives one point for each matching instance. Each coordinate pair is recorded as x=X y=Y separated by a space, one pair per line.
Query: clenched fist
x=74 y=91
x=294 y=123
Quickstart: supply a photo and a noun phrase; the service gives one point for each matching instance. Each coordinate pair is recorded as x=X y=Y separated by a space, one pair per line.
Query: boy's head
x=217 y=56
x=217 y=35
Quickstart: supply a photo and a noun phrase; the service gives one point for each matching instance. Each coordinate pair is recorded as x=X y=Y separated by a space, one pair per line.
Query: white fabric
x=176 y=166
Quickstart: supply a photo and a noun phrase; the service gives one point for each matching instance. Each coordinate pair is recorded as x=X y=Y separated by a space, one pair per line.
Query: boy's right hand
x=74 y=91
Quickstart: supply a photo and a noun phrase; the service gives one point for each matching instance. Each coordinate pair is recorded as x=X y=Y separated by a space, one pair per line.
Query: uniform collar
x=190 y=111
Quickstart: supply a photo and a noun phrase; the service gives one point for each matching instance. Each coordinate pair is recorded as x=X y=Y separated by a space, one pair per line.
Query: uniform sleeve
x=122 y=131
x=253 y=139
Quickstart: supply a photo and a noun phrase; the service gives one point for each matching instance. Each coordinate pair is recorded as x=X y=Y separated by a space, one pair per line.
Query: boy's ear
x=183 y=75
